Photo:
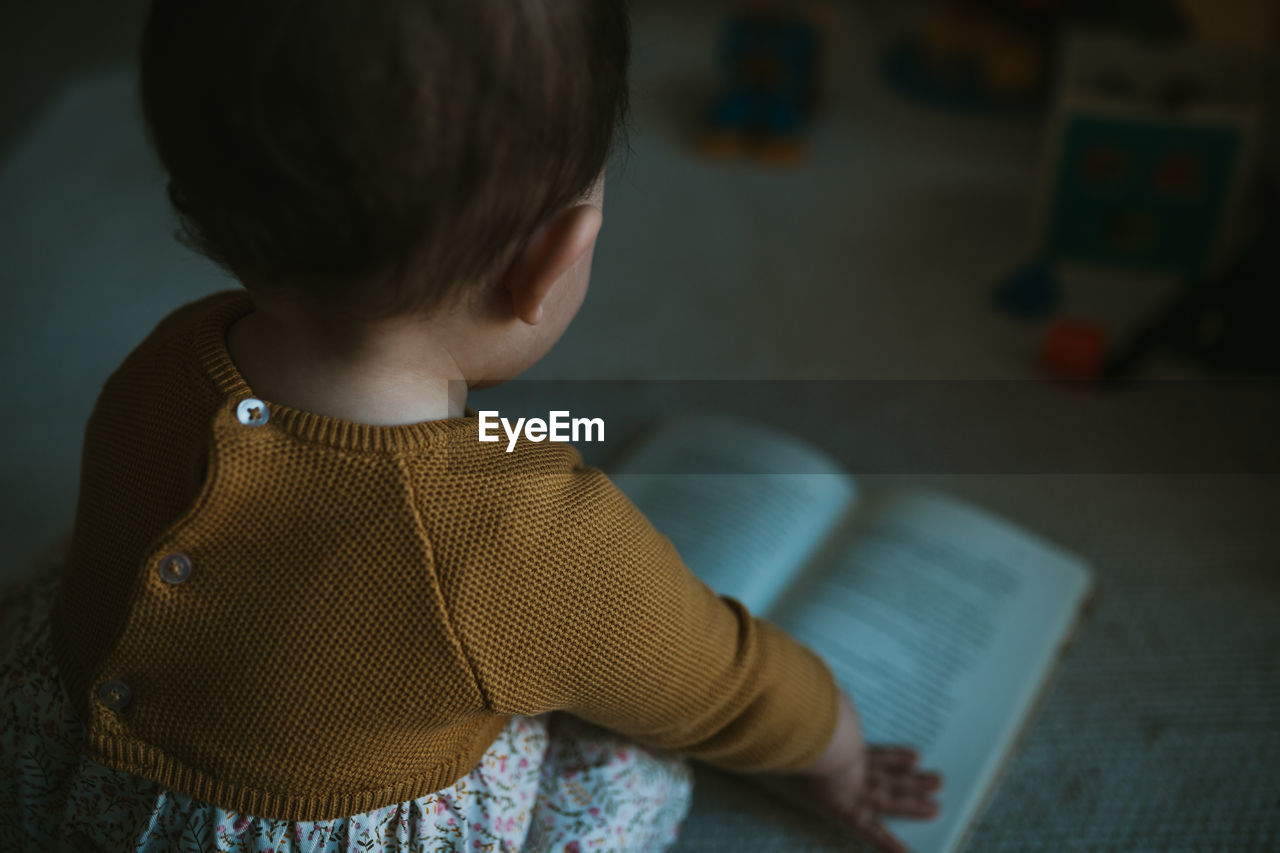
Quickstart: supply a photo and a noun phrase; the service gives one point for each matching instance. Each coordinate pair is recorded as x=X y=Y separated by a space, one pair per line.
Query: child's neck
x=396 y=378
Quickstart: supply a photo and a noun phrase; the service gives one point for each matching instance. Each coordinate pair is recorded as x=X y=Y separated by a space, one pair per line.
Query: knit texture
x=485 y=585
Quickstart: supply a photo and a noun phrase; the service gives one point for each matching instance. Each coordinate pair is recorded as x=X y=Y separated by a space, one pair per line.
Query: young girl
x=302 y=606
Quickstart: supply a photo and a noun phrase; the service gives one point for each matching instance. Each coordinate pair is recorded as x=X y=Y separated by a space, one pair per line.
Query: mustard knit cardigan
x=304 y=618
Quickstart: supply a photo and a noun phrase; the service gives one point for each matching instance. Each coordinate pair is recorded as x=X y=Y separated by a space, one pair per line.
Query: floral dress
x=548 y=783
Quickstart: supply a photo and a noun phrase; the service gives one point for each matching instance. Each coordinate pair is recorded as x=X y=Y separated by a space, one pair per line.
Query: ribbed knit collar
x=210 y=340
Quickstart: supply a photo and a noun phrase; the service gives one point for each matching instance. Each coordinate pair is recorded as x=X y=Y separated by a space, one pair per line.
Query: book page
x=941 y=622
x=745 y=506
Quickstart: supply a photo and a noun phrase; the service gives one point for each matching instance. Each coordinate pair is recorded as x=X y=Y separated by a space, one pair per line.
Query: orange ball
x=1074 y=349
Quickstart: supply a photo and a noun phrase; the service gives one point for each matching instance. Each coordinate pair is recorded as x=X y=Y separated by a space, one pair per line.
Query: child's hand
x=857 y=785
x=895 y=787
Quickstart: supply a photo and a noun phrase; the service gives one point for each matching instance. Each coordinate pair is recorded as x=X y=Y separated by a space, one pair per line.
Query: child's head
x=383 y=159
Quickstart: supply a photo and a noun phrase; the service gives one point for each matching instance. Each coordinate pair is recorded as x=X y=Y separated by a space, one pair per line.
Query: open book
x=940 y=621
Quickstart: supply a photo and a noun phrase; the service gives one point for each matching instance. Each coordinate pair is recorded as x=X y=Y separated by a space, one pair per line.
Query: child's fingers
x=928 y=779
x=903 y=795
x=915 y=805
x=915 y=780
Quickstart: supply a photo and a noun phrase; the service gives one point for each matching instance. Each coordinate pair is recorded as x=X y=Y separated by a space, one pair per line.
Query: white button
x=114 y=694
x=175 y=567
x=252 y=412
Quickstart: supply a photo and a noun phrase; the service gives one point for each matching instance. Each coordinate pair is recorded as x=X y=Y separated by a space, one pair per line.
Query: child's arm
x=563 y=596
x=856 y=785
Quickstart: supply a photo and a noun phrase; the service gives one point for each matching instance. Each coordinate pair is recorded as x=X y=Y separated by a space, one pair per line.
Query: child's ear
x=554 y=248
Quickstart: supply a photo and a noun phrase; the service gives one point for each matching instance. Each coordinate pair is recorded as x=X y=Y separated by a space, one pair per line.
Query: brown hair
x=331 y=146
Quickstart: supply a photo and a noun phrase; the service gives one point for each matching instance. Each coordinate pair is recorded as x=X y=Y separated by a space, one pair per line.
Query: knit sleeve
x=580 y=605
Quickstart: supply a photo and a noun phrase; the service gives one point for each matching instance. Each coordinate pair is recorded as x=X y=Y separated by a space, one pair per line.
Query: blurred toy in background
x=771 y=57
x=1228 y=322
x=1149 y=162
x=998 y=56
x=978 y=55
x=1150 y=150
x=1075 y=348
x=1030 y=291
x=1253 y=25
